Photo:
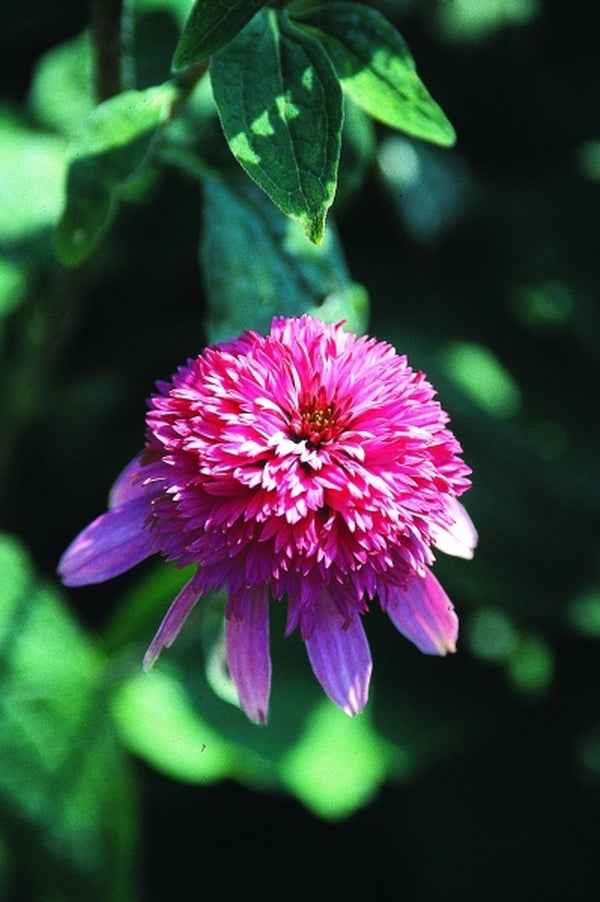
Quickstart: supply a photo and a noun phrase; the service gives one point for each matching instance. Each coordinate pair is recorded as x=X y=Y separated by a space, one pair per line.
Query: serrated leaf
x=112 y=145
x=280 y=107
x=376 y=69
x=62 y=779
x=285 y=275
x=211 y=25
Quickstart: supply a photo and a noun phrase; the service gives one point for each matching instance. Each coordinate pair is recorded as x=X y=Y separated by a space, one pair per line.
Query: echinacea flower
x=309 y=464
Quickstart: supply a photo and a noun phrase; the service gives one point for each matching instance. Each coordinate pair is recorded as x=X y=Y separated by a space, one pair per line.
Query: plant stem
x=106 y=21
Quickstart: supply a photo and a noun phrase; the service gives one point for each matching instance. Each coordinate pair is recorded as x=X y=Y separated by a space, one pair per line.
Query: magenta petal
x=111 y=544
x=340 y=658
x=248 y=655
x=423 y=613
x=172 y=622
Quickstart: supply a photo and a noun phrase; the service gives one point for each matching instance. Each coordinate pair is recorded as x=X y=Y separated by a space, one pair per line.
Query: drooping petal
x=172 y=622
x=340 y=657
x=248 y=655
x=460 y=537
x=423 y=613
x=127 y=486
x=111 y=544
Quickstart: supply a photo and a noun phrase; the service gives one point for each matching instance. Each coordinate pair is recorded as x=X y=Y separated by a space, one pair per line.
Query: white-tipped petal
x=340 y=658
x=460 y=537
x=423 y=613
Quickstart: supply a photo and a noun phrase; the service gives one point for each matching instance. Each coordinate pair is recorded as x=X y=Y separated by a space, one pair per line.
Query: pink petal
x=172 y=622
x=111 y=544
x=423 y=613
x=460 y=538
x=340 y=657
x=247 y=648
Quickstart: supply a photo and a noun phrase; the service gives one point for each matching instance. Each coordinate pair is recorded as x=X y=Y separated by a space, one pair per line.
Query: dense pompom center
x=317 y=420
x=306 y=455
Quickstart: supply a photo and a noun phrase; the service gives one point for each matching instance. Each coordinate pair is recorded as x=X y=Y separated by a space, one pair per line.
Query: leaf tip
x=315 y=229
x=448 y=136
x=182 y=59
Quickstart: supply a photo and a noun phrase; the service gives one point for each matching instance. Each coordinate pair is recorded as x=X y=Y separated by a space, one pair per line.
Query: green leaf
x=376 y=69
x=63 y=779
x=62 y=93
x=280 y=106
x=285 y=275
x=111 y=147
x=159 y=722
x=331 y=787
x=31 y=179
x=211 y=25
x=13 y=282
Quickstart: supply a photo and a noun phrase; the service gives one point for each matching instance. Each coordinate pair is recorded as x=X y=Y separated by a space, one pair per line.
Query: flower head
x=309 y=464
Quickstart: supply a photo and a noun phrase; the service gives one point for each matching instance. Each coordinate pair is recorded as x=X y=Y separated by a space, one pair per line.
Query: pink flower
x=309 y=464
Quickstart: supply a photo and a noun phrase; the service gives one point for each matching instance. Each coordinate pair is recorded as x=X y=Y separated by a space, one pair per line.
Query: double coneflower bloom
x=310 y=465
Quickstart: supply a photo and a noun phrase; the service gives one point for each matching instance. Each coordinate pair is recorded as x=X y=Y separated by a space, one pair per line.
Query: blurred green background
x=475 y=777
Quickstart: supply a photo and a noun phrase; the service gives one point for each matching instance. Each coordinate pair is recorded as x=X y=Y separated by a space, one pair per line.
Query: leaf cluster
x=280 y=79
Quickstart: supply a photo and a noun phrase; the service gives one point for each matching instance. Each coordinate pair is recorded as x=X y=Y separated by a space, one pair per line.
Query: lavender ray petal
x=248 y=654
x=340 y=658
x=111 y=544
x=128 y=485
x=172 y=622
x=423 y=613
